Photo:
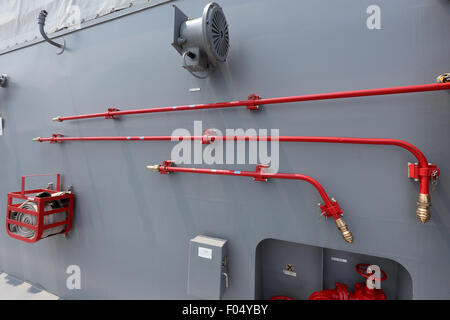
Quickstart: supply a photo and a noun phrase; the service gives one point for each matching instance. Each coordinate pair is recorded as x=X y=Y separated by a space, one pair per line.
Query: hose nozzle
x=423 y=207
x=57 y=119
x=37 y=139
x=346 y=233
x=154 y=168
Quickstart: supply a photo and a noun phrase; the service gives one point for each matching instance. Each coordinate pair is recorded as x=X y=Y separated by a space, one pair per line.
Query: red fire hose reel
x=35 y=214
x=362 y=291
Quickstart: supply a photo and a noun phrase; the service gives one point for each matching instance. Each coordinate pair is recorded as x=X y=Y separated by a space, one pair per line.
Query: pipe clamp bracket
x=54 y=138
x=112 y=116
x=165 y=165
x=260 y=169
x=334 y=210
x=252 y=102
x=415 y=171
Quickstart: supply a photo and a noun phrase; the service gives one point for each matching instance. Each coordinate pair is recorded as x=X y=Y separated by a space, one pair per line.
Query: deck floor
x=12 y=288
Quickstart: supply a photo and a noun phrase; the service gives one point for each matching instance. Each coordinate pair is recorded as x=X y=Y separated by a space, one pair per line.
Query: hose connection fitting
x=443 y=78
x=335 y=211
x=346 y=233
x=154 y=168
x=57 y=119
x=37 y=139
x=430 y=172
x=423 y=207
x=163 y=167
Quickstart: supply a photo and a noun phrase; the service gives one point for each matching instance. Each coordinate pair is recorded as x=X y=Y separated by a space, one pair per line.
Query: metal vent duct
x=203 y=42
x=217 y=32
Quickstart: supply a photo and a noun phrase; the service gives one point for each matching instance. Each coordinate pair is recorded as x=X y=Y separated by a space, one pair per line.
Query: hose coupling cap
x=57 y=119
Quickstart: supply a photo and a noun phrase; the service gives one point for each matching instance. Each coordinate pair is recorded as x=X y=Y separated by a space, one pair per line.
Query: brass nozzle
x=423 y=207
x=57 y=119
x=37 y=139
x=154 y=168
x=346 y=233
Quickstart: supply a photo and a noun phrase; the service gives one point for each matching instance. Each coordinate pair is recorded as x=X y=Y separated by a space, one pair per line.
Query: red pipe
x=422 y=172
x=254 y=101
x=330 y=209
x=423 y=162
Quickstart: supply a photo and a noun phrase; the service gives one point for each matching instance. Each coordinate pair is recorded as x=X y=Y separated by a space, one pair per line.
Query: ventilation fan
x=203 y=42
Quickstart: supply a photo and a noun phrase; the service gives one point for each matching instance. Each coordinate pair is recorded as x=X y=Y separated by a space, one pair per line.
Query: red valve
x=362 y=291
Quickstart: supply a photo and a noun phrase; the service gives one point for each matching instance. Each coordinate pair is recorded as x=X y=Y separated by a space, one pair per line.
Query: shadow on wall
x=297 y=270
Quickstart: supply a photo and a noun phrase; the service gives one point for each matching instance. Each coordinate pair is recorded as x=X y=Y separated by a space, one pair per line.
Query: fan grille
x=220 y=36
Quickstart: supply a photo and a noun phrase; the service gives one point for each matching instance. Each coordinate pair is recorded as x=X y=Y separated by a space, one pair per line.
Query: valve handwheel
x=361 y=269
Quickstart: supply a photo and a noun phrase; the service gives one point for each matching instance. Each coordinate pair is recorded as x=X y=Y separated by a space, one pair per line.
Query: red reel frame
x=39 y=227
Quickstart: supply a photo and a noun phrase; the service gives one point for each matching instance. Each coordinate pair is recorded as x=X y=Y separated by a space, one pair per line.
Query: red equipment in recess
x=330 y=208
x=46 y=206
x=254 y=101
x=362 y=291
x=281 y=298
x=422 y=171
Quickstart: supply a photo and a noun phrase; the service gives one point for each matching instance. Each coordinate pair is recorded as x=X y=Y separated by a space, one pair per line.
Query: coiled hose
x=30 y=219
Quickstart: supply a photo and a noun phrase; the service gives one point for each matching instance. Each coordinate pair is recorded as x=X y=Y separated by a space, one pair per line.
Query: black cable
x=41 y=22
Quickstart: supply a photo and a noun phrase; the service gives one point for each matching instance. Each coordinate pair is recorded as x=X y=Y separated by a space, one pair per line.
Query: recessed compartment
x=296 y=270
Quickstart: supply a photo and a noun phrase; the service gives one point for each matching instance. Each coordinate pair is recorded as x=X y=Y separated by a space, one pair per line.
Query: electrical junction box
x=207 y=269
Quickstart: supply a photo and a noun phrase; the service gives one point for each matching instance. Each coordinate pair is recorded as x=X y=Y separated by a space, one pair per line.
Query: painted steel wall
x=131 y=233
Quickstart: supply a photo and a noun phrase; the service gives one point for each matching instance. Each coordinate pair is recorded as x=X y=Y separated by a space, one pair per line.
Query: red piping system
x=330 y=209
x=254 y=101
x=422 y=171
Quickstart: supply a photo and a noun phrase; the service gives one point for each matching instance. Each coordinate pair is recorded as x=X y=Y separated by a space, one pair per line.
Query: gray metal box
x=207 y=269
